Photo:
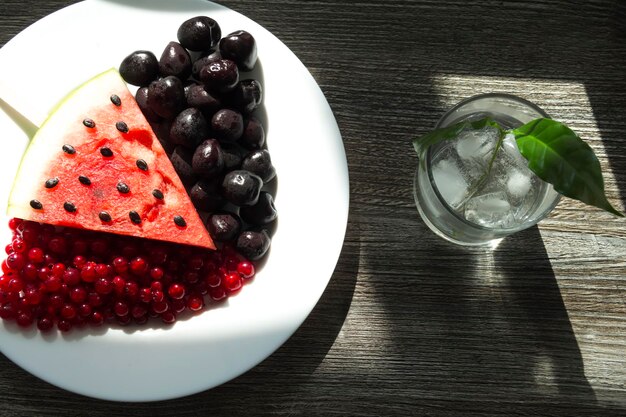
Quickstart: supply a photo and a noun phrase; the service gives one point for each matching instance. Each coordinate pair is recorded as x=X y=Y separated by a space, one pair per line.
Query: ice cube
x=476 y=145
x=518 y=184
x=509 y=146
x=492 y=209
x=450 y=182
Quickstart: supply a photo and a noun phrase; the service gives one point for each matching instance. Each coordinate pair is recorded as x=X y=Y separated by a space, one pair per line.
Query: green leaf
x=558 y=156
x=421 y=144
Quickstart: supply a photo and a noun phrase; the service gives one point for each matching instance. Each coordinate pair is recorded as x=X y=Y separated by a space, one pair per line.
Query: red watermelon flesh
x=113 y=176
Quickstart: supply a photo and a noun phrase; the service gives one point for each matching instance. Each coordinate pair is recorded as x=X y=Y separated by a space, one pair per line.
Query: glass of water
x=453 y=196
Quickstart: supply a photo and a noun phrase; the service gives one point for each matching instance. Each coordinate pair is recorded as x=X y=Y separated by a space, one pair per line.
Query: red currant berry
x=121 y=308
x=168 y=317
x=19 y=245
x=35 y=255
x=68 y=311
x=232 y=282
x=217 y=293
x=156 y=273
x=246 y=269
x=14 y=223
x=103 y=286
x=64 y=325
x=159 y=307
x=96 y=318
x=45 y=323
x=139 y=266
x=120 y=264
x=53 y=284
x=71 y=276
x=195 y=303
x=78 y=295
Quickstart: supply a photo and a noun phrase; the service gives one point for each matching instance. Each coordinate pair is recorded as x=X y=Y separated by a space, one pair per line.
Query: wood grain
x=409 y=324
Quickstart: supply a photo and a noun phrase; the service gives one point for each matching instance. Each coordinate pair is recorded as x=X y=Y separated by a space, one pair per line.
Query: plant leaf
x=558 y=156
x=421 y=144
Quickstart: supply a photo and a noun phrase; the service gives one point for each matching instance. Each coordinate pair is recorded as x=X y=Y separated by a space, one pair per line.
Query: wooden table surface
x=410 y=324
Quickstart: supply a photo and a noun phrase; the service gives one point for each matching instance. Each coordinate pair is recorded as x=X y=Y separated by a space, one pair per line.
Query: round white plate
x=55 y=54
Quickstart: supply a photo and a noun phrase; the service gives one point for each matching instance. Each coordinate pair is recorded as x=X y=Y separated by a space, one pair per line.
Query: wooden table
x=409 y=324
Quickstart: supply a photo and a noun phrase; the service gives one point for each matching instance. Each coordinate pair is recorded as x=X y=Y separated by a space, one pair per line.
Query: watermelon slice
x=96 y=164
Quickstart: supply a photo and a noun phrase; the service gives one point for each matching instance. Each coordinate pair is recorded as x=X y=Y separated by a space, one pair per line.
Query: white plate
x=69 y=46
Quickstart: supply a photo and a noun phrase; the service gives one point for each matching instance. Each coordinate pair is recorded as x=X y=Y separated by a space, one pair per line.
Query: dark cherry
x=202 y=61
x=223 y=226
x=259 y=162
x=199 y=33
x=241 y=187
x=189 y=128
x=220 y=76
x=205 y=195
x=141 y=97
x=208 y=160
x=227 y=124
x=176 y=61
x=233 y=155
x=253 y=136
x=252 y=244
x=197 y=96
x=240 y=47
x=139 y=68
x=166 y=97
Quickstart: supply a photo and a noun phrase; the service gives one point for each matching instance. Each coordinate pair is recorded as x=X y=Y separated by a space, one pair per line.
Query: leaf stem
x=480 y=183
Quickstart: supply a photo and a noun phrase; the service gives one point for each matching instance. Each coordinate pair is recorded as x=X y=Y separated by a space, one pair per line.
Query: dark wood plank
x=411 y=325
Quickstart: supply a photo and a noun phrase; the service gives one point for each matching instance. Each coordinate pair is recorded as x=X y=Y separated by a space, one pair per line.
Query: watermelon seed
x=69 y=207
x=115 y=99
x=104 y=216
x=36 y=204
x=134 y=217
x=157 y=194
x=123 y=188
x=84 y=180
x=180 y=221
x=122 y=127
x=142 y=165
x=89 y=123
x=52 y=182
x=69 y=149
x=106 y=151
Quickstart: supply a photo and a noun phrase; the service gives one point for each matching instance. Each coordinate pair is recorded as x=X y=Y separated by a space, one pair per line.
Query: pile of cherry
x=68 y=278
x=202 y=104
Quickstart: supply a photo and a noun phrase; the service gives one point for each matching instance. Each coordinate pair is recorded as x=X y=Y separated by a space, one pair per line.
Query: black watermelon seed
x=122 y=127
x=36 y=204
x=115 y=99
x=69 y=149
x=69 y=207
x=142 y=165
x=84 y=180
x=123 y=188
x=134 y=217
x=157 y=194
x=106 y=151
x=180 y=221
x=104 y=216
x=52 y=182
x=89 y=123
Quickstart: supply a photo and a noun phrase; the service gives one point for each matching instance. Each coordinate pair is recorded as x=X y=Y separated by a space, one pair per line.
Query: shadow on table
x=480 y=328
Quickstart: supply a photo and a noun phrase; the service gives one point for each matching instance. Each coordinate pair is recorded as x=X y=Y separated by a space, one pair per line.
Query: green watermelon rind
x=35 y=139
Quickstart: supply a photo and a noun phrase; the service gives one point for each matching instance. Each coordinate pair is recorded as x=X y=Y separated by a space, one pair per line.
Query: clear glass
x=472 y=225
